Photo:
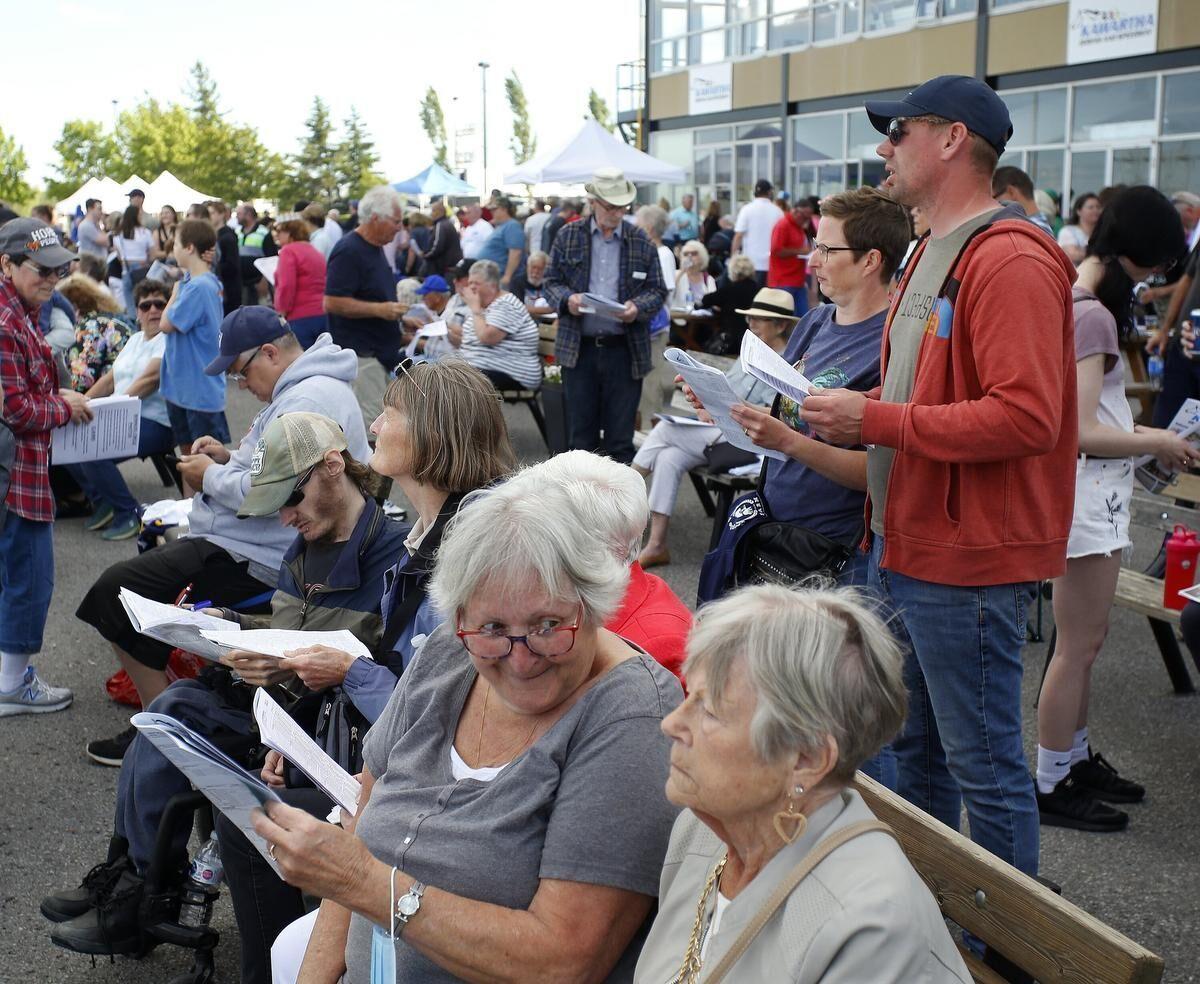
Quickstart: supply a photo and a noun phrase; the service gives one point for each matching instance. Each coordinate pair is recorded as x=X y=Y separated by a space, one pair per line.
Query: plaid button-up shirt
x=32 y=406
x=640 y=281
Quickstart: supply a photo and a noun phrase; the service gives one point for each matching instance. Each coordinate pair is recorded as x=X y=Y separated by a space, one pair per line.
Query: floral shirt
x=99 y=339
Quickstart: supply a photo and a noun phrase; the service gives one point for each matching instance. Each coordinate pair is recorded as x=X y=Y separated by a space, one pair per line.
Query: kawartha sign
x=1099 y=31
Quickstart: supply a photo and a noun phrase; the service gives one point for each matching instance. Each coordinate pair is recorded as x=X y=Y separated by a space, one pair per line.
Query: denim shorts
x=187 y=425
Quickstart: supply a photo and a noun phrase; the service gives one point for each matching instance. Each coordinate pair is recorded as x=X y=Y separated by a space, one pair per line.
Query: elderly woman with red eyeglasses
x=512 y=816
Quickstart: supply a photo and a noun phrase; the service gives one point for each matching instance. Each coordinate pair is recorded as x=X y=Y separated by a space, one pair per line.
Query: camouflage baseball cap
x=289 y=448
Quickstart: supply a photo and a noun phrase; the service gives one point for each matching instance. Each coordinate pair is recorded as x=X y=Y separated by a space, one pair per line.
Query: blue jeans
x=962 y=740
x=602 y=398
x=188 y=425
x=102 y=480
x=26 y=583
x=306 y=330
x=1180 y=381
x=148 y=780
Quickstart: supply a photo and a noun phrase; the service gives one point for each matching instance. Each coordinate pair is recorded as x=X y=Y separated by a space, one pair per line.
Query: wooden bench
x=1018 y=917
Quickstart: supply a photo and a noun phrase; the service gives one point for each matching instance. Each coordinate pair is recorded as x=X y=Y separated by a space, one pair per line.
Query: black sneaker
x=1070 y=805
x=112 y=927
x=1101 y=781
x=111 y=751
x=96 y=886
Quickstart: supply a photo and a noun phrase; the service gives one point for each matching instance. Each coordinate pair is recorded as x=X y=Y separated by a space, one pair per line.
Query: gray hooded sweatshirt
x=319 y=382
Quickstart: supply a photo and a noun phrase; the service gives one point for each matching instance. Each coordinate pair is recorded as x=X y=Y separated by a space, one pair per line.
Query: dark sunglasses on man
x=297 y=495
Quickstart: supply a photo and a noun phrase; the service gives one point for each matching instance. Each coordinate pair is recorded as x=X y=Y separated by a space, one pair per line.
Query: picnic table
x=685 y=323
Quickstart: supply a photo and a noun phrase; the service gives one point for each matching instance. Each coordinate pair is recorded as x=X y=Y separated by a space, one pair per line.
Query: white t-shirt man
x=755 y=221
x=474 y=236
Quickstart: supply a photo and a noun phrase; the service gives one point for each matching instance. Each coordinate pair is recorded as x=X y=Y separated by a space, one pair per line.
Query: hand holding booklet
x=277 y=642
x=1186 y=423
x=764 y=364
x=178 y=627
x=602 y=306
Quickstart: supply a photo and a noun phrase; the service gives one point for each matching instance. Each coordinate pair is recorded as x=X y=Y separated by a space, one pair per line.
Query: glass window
x=724 y=166
x=714 y=134
x=818 y=138
x=1115 y=111
x=953 y=8
x=711 y=47
x=1038 y=117
x=704 y=167
x=1181 y=103
x=1087 y=173
x=758 y=131
x=852 y=16
x=1045 y=169
x=707 y=13
x=864 y=138
x=1178 y=165
x=825 y=22
x=669 y=55
x=870 y=173
x=1131 y=165
x=791 y=28
x=886 y=15
x=745 y=171
x=777 y=163
x=744 y=10
x=671 y=19
x=675 y=147
x=749 y=38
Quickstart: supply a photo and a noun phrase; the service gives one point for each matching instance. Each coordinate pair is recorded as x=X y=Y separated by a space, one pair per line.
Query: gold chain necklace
x=483 y=724
x=689 y=972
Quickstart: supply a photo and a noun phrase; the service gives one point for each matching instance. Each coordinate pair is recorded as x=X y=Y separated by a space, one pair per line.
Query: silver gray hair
x=488 y=270
x=382 y=200
x=821 y=661
x=505 y=535
x=539 y=256
x=1186 y=198
x=700 y=247
x=653 y=219
x=741 y=267
x=406 y=291
x=606 y=497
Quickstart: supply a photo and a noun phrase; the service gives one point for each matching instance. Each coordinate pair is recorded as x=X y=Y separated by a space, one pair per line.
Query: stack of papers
x=229 y=787
x=764 y=364
x=112 y=432
x=713 y=390
x=267 y=265
x=602 y=306
x=278 y=731
x=178 y=627
x=276 y=642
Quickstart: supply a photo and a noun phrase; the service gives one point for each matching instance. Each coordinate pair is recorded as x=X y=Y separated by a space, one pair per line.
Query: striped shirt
x=517 y=353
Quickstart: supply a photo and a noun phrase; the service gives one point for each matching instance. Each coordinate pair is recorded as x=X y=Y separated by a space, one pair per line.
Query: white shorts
x=1103 y=490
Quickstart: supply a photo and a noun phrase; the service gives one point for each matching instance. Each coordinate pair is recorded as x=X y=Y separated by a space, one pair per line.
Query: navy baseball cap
x=242 y=330
x=433 y=285
x=958 y=98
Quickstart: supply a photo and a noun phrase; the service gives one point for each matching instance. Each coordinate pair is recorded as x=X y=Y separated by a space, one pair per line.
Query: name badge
x=639 y=275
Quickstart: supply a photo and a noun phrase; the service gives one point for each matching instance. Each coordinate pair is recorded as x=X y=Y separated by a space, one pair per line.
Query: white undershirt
x=714 y=922
x=460 y=770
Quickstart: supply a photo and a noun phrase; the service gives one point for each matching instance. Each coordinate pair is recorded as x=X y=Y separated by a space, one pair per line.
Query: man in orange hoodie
x=972 y=445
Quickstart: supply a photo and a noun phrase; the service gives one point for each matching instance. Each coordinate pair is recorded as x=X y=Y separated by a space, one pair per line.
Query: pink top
x=300 y=281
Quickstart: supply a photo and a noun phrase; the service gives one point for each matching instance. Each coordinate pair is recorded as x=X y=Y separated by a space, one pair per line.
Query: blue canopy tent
x=434 y=182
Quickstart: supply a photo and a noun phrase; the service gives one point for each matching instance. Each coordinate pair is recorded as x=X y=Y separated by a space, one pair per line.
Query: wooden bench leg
x=1164 y=635
x=706 y=500
x=538 y=419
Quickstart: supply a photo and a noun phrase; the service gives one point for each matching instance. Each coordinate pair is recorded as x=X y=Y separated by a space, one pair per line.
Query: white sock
x=1052 y=768
x=1080 y=750
x=12 y=670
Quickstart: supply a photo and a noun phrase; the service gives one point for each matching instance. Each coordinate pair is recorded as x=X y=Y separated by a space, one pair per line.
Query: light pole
x=484 y=65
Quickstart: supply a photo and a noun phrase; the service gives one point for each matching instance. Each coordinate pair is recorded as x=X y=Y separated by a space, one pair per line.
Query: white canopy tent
x=105 y=189
x=591 y=148
x=167 y=189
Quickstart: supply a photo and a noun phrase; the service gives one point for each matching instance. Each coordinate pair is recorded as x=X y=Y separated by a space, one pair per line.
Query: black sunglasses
x=297 y=495
x=158 y=305
x=896 y=131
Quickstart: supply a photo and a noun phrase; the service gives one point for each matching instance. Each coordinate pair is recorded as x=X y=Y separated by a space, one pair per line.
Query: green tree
x=599 y=111
x=313 y=172
x=13 y=165
x=85 y=150
x=433 y=121
x=524 y=142
x=356 y=158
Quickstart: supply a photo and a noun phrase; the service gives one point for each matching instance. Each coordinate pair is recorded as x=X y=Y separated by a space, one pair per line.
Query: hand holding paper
x=761 y=362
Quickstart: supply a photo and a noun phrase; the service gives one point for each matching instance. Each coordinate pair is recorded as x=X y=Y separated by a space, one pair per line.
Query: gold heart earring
x=789 y=814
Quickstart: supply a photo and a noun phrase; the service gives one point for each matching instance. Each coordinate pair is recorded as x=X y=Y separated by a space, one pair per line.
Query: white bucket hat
x=609 y=185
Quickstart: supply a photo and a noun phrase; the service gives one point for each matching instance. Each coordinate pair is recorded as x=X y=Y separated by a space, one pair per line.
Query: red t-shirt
x=653 y=616
x=787 y=271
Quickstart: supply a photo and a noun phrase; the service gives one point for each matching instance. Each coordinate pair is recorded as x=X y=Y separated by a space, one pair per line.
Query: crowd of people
x=564 y=772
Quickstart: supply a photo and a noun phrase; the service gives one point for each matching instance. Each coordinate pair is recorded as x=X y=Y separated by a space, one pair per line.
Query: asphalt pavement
x=58 y=806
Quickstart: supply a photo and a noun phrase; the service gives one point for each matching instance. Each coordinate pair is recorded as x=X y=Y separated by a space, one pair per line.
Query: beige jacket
x=862 y=915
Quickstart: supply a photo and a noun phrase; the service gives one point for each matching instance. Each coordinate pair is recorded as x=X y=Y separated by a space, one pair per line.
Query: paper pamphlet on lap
x=276 y=642
x=761 y=362
x=113 y=432
x=177 y=627
x=602 y=306
x=1186 y=423
x=229 y=787
x=267 y=265
x=671 y=418
x=713 y=390
x=435 y=329
x=278 y=731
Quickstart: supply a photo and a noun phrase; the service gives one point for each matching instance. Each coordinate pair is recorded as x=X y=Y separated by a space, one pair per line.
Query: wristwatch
x=409 y=904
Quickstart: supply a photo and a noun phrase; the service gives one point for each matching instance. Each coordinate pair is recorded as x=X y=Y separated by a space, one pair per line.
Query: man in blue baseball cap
x=972 y=444
x=435 y=295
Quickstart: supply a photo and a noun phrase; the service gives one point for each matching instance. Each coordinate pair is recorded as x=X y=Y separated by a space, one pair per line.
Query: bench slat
x=1041 y=933
x=1142 y=593
x=1159 y=513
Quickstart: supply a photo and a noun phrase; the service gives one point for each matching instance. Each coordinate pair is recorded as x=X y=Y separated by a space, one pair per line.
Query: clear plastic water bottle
x=1154 y=369
x=201 y=889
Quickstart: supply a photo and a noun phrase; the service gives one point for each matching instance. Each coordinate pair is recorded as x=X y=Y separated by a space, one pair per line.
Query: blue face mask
x=383 y=944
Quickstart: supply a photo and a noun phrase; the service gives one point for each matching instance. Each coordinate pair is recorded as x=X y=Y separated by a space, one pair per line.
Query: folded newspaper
x=230 y=788
x=1186 y=423
x=177 y=627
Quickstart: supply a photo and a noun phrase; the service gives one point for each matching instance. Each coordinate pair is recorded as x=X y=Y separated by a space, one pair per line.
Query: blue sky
x=270 y=57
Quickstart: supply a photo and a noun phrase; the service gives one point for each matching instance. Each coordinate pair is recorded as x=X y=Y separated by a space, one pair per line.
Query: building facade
x=738 y=90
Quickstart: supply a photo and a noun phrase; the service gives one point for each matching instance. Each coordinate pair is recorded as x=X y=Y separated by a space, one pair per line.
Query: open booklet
x=179 y=627
x=113 y=432
x=713 y=390
x=229 y=787
x=276 y=642
x=1186 y=423
x=278 y=731
x=603 y=307
x=764 y=364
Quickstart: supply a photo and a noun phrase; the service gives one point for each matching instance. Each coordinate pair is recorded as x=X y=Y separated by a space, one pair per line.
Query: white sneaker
x=34 y=696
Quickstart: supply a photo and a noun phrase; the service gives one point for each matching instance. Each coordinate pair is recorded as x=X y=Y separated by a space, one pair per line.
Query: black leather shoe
x=1098 y=778
x=95 y=887
x=111 y=927
x=1069 y=805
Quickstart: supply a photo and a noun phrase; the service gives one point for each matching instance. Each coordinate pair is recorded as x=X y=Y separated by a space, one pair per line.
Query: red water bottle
x=1183 y=551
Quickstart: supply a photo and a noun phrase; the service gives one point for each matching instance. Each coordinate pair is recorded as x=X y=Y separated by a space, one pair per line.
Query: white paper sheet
x=278 y=731
x=276 y=642
x=714 y=391
x=1192 y=593
x=177 y=627
x=229 y=787
x=682 y=421
x=1186 y=423
x=765 y=365
x=267 y=265
x=435 y=329
x=604 y=307
x=113 y=432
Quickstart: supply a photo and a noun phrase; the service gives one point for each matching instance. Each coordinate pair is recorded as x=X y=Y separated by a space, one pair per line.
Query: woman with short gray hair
x=789 y=692
x=511 y=811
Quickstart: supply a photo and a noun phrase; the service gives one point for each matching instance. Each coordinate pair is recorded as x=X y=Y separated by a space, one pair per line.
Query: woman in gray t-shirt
x=515 y=780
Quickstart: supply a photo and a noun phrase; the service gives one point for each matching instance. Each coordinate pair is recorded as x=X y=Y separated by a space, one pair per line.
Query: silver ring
x=271 y=852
